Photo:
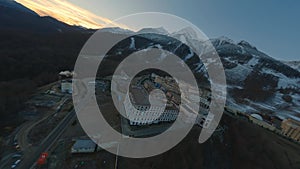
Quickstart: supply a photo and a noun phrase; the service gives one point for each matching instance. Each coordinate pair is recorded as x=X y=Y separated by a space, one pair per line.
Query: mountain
x=293 y=64
x=159 y=30
x=188 y=36
x=16 y=17
x=256 y=82
x=116 y=30
x=33 y=51
x=15 y=6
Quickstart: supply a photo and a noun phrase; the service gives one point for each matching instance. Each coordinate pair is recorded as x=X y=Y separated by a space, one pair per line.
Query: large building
x=139 y=111
x=291 y=129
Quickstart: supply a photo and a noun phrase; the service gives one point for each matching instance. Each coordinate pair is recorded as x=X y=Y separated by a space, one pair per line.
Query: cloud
x=69 y=13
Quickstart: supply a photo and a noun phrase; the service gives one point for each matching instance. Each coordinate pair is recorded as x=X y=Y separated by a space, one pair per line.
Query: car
x=17 y=155
x=18 y=147
x=17 y=162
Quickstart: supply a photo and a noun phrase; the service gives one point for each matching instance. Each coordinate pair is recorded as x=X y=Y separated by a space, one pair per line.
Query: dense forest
x=29 y=60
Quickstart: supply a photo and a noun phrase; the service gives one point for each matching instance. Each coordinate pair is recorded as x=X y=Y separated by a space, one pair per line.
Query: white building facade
x=142 y=114
x=66 y=86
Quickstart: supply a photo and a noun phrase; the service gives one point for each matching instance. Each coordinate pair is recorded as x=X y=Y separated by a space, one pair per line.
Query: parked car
x=18 y=147
x=15 y=164
x=17 y=155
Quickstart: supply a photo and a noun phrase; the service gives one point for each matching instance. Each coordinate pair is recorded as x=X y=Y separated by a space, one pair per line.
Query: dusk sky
x=272 y=26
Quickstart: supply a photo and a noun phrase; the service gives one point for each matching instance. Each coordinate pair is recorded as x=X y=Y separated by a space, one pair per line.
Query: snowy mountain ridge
x=293 y=64
x=256 y=82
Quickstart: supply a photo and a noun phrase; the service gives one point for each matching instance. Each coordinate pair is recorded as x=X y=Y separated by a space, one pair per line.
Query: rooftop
x=79 y=144
x=139 y=96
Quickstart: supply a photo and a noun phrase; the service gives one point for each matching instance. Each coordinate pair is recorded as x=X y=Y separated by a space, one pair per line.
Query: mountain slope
x=15 y=6
x=33 y=51
x=293 y=64
x=16 y=17
x=255 y=81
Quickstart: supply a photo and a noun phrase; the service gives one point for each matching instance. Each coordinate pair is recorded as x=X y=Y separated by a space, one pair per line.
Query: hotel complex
x=140 y=112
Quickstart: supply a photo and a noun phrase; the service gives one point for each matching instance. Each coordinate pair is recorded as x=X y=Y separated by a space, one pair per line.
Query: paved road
x=30 y=159
x=22 y=135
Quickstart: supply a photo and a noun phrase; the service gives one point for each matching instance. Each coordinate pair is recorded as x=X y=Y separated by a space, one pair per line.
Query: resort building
x=139 y=111
x=291 y=129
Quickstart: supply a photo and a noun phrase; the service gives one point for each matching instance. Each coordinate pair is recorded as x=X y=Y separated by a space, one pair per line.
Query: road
x=22 y=135
x=30 y=159
x=32 y=153
x=29 y=162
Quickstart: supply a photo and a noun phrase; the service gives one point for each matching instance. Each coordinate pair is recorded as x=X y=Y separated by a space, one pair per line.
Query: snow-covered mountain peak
x=159 y=30
x=255 y=81
x=221 y=41
x=246 y=44
x=293 y=64
x=116 y=30
x=188 y=32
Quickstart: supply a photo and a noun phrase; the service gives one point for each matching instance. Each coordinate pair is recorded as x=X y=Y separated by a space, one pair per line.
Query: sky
x=272 y=26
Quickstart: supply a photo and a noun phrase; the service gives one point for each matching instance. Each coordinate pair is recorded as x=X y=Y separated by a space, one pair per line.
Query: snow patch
x=238 y=73
x=187 y=57
x=252 y=62
x=132 y=43
x=283 y=82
